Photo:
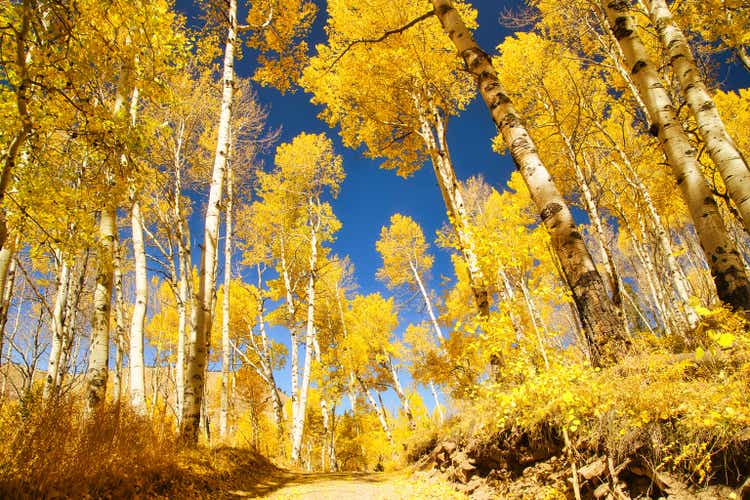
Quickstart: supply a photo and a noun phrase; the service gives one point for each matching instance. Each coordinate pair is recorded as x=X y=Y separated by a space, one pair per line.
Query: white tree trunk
x=138 y=320
x=184 y=300
x=379 y=410
x=720 y=146
x=7 y=278
x=722 y=257
x=204 y=301
x=428 y=304
x=58 y=324
x=298 y=425
x=96 y=375
x=400 y=393
x=438 y=406
x=225 y=344
x=453 y=199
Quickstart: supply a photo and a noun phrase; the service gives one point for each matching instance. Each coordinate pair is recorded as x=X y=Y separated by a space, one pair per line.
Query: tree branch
x=382 y=37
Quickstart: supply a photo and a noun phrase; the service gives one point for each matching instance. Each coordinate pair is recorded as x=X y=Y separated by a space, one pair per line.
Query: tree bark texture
x=605 y=334
x=724 y=261
x=204 y=300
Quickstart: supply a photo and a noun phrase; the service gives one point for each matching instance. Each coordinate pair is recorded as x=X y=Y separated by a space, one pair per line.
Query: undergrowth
x=674 y=410
x=56 y=450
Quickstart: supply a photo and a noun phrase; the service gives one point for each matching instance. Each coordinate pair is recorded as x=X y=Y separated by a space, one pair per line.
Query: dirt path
x=343 y=486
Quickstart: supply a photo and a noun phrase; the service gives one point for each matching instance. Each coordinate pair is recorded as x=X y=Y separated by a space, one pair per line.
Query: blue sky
x=369 y=195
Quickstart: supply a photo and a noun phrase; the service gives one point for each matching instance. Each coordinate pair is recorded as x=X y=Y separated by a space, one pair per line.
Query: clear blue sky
x=369 y=195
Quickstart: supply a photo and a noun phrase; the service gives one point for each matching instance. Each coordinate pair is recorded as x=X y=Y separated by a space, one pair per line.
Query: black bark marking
x=443 y=9
x=550 y=210
x=620 y=28
x=707 y=105
x=511 y=120
x=675 y=58
x=618 y=5
x=587 y=279
x=654 y=129
x=639 y=65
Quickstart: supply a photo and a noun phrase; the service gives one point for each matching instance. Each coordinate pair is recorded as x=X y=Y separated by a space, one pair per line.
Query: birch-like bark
x=605 y=335
x=721 y=148
x=453 y=199
x=184 y=300
x=400 y=393
x=138 y=320
x=428 y=303
x=7 y=281
x=438 y=406
x=226 y=358
x=119 y=311
x=536 y=320
x=631 y=176
x=293 y=334
x=379 y=410
x=267 y=363
x=298 y=424
x=198 y=345
x=326 y=432
x=71 y=317
x=58 y=325
x=722 y=257
x=351 y=392
x=96 y=375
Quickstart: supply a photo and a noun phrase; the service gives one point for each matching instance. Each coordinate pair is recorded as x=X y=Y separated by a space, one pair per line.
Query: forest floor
x=231 y=473
x=342 y=485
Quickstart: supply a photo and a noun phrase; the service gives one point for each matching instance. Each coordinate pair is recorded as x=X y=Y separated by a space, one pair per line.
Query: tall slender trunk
x=138 y=320
x=326 y=431
x=723 y=259
x=184 y=299
x=71 y=317
x=400 y=393
x=298 y=425
x=721 y=148
x=438 y=406
x=604 y=332
x=536 y=320
x=428 y=303
x=294 y=339
x=198 y=345
x=278 y=407
x=225 y=341
x=58 y=325
x=7 y=279
x=454 y=203
x=379 y=410
x=351 y=392
x=631 y=176
x=96 y=375
x=119 y=310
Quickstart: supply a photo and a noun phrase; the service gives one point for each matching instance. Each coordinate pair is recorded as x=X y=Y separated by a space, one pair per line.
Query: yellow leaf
x=725 y=340
x=699 y=353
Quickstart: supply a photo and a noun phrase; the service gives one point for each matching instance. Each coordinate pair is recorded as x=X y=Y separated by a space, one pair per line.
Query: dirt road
x=345 y=485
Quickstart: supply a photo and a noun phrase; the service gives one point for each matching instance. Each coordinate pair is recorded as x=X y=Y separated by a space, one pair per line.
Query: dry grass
x=57 y=451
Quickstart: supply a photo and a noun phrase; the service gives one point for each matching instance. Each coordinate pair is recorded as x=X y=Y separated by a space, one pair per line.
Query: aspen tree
x=226 y=304
x=604 y=333
x=720 y=146
x=401 y=115
x=198 y=343
x=721 y=255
